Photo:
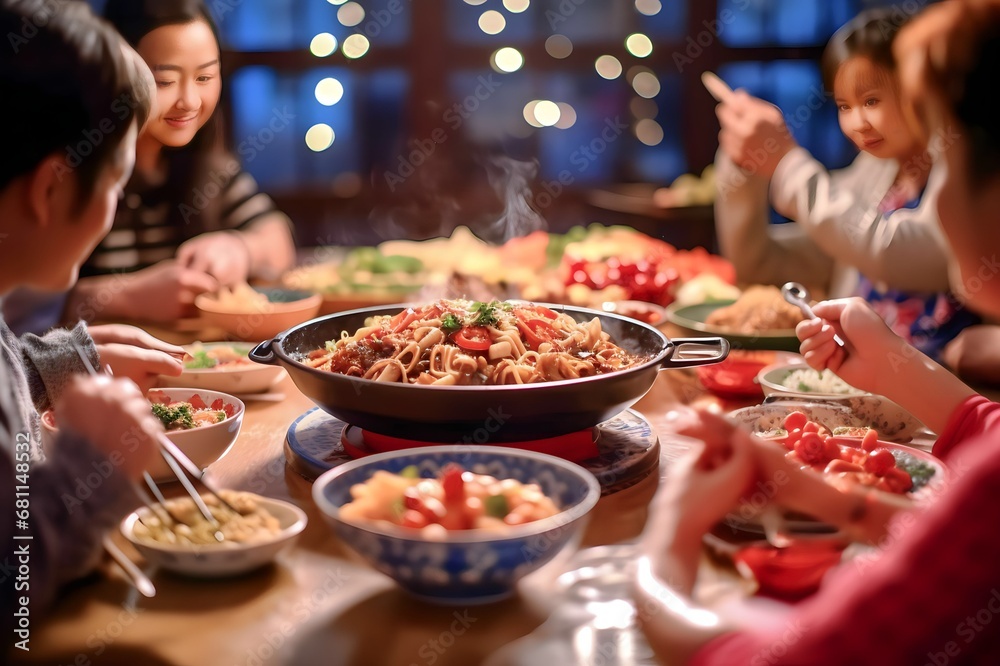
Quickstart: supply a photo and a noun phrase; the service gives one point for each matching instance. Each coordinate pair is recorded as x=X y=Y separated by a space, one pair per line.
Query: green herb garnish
x=485 y=313
x=175 y=418
x=450 y=323
x=919 y=471
x=496 y=506
x=201 y=361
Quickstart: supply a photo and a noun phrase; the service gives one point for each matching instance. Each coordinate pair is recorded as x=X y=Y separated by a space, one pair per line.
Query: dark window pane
x=795 y=86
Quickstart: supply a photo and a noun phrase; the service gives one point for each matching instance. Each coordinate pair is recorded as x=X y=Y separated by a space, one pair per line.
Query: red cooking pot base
x=575 y=446
x=628 y=449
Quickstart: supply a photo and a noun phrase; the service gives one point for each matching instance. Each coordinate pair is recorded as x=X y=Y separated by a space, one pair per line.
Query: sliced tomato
x=474 y=338
x=218 y=403
x=526 y=312
x=537 y=331
x=197 y=402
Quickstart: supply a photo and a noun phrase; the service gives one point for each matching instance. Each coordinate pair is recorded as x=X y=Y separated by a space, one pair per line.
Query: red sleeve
x=975 y=417
x=932 y=595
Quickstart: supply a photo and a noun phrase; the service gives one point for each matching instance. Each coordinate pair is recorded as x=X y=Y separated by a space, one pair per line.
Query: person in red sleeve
x=932 y=593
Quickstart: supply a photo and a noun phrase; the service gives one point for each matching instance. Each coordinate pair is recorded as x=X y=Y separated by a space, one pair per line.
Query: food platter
x=692 y=319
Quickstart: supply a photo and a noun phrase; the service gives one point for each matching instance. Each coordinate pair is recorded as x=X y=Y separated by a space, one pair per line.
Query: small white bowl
x=240 y=379
x=202 y=445
x=223 y=560
x=771 y=377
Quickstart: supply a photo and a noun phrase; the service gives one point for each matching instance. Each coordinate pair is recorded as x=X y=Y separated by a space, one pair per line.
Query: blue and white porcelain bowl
x=468 y=566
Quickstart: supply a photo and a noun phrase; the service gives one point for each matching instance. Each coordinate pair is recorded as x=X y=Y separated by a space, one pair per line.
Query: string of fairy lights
x=538 y=113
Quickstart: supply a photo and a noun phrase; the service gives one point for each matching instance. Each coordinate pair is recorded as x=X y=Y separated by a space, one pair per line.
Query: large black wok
x=482 y=414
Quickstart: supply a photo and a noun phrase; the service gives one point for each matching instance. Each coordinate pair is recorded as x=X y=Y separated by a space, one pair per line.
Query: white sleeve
x=761 y=252
x=839 y=212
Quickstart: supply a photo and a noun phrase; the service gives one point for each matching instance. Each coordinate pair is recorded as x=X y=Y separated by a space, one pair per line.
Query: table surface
x=318 y=604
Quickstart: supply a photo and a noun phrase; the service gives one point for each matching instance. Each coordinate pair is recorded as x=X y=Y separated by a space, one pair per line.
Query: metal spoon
x=798 y=295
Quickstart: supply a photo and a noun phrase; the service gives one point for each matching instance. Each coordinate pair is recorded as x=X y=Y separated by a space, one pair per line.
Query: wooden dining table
x=318 y=604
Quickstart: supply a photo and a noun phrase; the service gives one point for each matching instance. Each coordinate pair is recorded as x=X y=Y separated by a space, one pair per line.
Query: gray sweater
x=67 y=497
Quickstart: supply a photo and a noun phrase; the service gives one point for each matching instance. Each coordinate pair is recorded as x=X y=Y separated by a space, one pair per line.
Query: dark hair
x=870 y=35
x=70 y=88
x=188 y=167
x=976 y=107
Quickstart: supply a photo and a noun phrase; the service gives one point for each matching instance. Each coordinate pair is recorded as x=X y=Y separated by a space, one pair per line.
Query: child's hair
x=868 y=35
x=70 y=89
x=188 y=167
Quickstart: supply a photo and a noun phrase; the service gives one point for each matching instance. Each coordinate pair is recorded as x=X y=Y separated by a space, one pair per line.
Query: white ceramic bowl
x=223 y=560
x=202 y=445
x=236 y=379
x=771 y=377
x=892 y=422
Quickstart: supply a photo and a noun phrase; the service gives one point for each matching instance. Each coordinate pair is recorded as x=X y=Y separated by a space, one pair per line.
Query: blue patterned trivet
x=627 y=446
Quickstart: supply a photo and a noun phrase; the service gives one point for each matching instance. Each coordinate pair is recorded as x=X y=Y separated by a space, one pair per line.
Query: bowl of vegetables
x=457 y=524
x=203 y=424
x=225 y=367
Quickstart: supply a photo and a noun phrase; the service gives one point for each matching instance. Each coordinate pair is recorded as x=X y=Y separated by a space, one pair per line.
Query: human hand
x=871 y=353
x=114 y=416
x=165 y=292
x=222 y=254
x=132 y=335
x=753 y=133
x=142 y=366
x=705 y=484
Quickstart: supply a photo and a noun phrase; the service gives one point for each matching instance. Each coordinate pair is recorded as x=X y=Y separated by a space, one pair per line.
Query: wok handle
x=675 y=358
x=263 y=353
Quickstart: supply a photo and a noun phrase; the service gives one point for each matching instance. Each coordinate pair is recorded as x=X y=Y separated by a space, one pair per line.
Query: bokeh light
x=639 y=45
x=319 y=137
x=646 y=85
x=559 y=46
x=649 y=132
x=608 y=67
x=547 y=113
x=567 y=116
x=648 y=7
x=329 y=91
x=355 y=46
x=492 y=22
x=507 y=59
x=351 y=14
x=323 y=45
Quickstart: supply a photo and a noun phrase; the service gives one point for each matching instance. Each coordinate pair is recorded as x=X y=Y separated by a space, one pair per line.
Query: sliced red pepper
x=537 y=331
x=525 y=312
x=402 y=320
x=474 y=338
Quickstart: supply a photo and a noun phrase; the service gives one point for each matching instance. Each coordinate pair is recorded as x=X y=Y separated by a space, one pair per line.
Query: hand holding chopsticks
x=178 y=462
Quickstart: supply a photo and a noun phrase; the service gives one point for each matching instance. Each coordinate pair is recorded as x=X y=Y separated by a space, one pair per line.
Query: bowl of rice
x=802 y=381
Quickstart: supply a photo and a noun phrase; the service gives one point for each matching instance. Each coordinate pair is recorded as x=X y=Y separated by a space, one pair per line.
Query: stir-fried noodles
x=458 y=342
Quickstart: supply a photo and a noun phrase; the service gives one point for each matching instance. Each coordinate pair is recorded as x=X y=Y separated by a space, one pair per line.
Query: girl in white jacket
x=870 y=229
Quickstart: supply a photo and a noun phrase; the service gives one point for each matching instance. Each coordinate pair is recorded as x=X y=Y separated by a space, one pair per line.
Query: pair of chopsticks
x=181 y=465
